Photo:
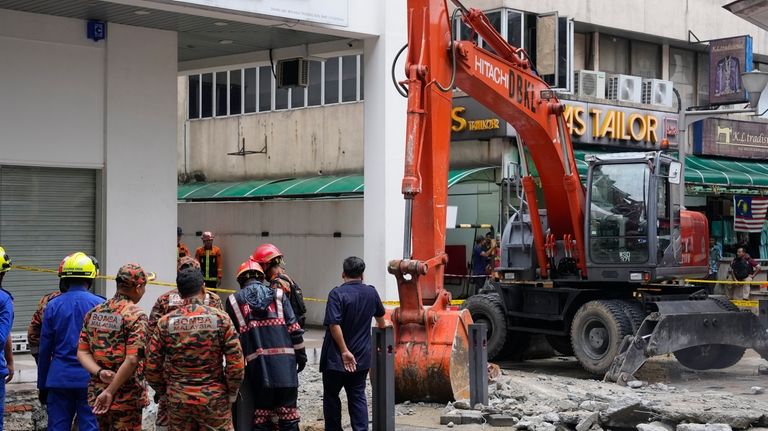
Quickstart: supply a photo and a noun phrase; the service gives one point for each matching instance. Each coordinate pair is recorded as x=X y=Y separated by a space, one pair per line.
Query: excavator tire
x=712 y=356
x=597 y=331
x=561 y=343
x=635 y=313
x=488 y=308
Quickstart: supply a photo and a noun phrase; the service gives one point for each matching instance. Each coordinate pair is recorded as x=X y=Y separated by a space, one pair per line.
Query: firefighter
x=210 y=260
x=33 y=331
x=181 y=249
x=167 y=302
x=271 y=259
x=111 y=348
x=58 y=372
x=185 y=360
x=273 y=343
x=6 y=322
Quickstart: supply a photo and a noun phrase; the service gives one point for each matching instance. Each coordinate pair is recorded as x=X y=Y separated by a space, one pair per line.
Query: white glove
x=749 y=278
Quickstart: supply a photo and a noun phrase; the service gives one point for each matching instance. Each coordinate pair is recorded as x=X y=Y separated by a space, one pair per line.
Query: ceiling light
x=220 y=23
x=225 y=42
x=141 y=12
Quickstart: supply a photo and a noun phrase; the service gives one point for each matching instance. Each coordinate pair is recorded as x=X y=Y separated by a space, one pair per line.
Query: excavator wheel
x=635 y=313
x=487 y=308
x=597 y=331
x=712 y=356
x=561 y=343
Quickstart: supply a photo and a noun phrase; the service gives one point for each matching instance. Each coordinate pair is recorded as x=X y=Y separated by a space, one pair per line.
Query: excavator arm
x=431 y=342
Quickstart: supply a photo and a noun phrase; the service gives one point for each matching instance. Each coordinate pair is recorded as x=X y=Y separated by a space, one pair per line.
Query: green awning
x=706 y=171
x=319 y=186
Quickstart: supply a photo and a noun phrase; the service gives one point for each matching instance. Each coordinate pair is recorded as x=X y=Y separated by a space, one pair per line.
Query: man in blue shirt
x=480 y=254
x=6 y=322
x=59 y=372
x=346 y=355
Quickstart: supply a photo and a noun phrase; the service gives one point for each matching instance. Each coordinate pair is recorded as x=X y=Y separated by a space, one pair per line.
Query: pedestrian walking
x=62 y=381
x=272 y=261
x=210 y=260
x=346 y=355
x=111 y=348
x=743 y=268
x=166 y=303
x=273 y=345
x=194 y=358
x=181 y=249
x=6 y=323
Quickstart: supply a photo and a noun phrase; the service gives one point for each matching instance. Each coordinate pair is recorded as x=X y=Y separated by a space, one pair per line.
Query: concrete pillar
x=665 y=61
x=384 y=140
x=139 y=178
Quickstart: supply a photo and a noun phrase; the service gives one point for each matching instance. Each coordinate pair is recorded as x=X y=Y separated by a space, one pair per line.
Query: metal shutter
x=45 y=214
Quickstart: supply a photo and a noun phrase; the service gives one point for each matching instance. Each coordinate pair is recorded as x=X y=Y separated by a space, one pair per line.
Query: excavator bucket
x=702 y=334
x=431 y=343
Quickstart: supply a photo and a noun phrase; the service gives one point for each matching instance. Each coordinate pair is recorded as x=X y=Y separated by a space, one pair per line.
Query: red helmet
x=265 y=252
x=207 y=235
x=246 y=267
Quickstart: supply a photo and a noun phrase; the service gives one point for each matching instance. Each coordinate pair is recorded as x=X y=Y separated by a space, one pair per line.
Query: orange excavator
x=596 y=270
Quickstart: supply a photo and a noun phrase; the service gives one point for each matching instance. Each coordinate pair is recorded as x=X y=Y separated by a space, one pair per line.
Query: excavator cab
x=633 y=225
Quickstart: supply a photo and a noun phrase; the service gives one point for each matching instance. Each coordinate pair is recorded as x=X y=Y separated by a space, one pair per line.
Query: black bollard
x=478 y=365
x=383 y=379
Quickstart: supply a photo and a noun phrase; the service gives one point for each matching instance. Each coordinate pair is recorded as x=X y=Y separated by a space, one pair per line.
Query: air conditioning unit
x=589 y=83
x=625 y=88
x=293 y=72
x=657 y=92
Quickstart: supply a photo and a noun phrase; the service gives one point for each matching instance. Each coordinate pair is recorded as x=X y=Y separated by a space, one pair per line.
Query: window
x=682 y=72
x=614 y=54
x=235 y=91
x=194 y=96
x=618 y=222
x=349 y=78
x=252 y=89
x=645 y=59
x=221 y=93
x=265 y=88
x=515 y=28
x=315 y=87
x=332 y=81
x=207 y=98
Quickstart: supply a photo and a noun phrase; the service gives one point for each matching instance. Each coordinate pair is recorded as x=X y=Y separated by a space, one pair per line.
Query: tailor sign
x=728 y=59
x=335 y=12
x=594 y=123
x=731 y=138
x=472 y=121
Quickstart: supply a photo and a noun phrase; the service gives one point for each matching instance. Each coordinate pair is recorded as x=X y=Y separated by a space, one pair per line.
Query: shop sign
x=335 y=12
x=594 y=123
x=471 y=121
x=728 y=59
x=730 y=138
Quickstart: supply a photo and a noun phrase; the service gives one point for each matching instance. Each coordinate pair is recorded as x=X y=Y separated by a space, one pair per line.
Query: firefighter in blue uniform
x=59 y=372
x=6 y=322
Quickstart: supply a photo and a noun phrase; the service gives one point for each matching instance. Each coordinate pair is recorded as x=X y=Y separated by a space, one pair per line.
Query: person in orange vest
x=181 y=249
x=210 y=260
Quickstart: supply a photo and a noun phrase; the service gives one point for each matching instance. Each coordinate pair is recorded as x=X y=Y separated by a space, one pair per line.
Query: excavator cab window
x=619 y=213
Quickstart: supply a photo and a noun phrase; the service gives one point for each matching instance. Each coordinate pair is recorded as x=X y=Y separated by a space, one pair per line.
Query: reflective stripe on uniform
x=279 y=298
x=238 y=313
x=270 y=352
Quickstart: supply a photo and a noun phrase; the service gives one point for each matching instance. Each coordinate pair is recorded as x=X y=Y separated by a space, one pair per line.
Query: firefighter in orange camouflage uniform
x=184 y=360
x=166 y=303
x=112 y=349
x=36 y=325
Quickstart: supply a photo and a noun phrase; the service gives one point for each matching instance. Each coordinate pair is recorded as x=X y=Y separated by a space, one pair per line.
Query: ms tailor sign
x=731 y=138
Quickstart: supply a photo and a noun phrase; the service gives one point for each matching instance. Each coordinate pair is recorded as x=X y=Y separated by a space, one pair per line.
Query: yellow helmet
x=5 y=261
x=79 y=265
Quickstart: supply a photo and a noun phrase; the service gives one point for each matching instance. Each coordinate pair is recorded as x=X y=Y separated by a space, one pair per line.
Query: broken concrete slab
x=703 y=427
x=452 y=417
x=471 y=417
x=625 y=413
x=500 y=420
x=587 y=422
x=655 y=426
x=593 y=406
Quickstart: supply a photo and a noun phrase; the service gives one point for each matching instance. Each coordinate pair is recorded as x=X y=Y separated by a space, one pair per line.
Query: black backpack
x=297 y=300
x=741 y=268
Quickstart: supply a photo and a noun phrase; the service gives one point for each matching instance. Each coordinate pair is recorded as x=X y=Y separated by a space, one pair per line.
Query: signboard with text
x=728 y=59
x=335 y=12
x=472 y=121
x=594 y=123
x=731 y=138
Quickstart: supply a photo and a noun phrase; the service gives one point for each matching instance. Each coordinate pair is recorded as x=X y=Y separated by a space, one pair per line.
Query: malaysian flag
x=749 y=214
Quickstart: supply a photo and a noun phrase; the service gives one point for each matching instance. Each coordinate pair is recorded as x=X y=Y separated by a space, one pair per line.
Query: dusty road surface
x=556 y=395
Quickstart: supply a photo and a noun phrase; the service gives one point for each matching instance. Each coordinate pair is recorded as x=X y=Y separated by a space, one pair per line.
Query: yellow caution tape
x=693 y=280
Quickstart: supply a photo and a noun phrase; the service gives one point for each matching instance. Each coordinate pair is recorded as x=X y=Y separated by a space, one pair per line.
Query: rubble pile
x=532 y=402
